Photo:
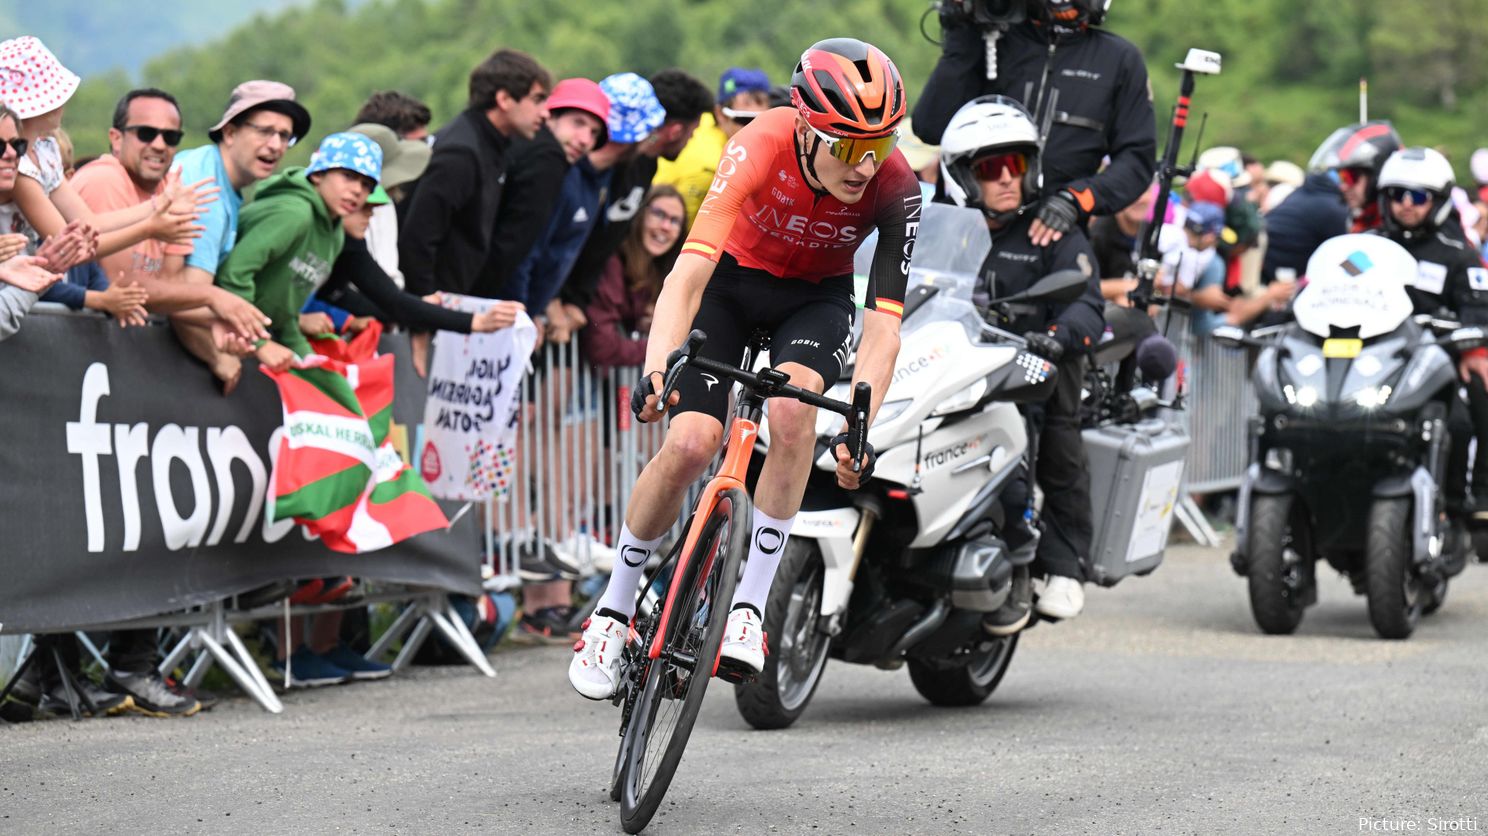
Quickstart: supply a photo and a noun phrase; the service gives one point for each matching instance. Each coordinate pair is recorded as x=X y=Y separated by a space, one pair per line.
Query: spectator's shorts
x=810 y=324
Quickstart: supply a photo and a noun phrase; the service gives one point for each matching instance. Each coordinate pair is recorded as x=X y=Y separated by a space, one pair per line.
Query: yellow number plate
x=1342 y=349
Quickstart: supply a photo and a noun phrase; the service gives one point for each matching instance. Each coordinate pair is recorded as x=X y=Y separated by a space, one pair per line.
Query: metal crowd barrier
x=578 y=454
x=1220 y=399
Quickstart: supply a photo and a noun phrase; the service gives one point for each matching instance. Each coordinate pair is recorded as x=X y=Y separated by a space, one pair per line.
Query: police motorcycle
x=901 y=572
x=1350 y=443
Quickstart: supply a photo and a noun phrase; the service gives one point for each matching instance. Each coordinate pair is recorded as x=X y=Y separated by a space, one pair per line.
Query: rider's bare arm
x=876 y=355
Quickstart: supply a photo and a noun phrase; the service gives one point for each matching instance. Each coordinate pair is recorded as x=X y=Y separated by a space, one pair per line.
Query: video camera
x=984 y=14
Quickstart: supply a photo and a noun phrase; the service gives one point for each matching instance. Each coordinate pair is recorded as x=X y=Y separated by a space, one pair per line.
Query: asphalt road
x=1160 y=710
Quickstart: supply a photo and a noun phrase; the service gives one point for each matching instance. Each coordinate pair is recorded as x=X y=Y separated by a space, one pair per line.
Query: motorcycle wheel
x=1396 y=596
x=794 y=666
x=1276 y=583
x=968 y=684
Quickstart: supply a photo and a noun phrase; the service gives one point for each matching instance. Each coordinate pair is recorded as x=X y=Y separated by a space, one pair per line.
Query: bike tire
x=655 y=744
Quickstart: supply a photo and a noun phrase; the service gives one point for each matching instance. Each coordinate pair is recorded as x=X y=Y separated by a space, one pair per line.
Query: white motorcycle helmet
x=1418 y=169
x=983 y=126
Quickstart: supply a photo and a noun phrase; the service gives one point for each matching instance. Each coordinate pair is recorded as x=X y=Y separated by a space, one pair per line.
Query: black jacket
x=622 y=200
x=445 y=222
x=533 y=185
x=1450 y=275
x=1309 y=216
x=1104 y=106
x=380 y=296
x=1014 y=264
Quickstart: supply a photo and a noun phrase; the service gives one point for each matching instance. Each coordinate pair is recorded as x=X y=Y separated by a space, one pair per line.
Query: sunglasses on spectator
x=665 y=217
x=742 y=117
x=147 y=134
x=991 y=168
x=1413 y=197
x=19 y=145
x=265 y=132
x=853 y=151
x=1349 y=176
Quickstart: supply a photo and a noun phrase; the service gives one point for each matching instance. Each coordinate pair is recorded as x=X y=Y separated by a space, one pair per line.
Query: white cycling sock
x=631 y=556
x=765 y=551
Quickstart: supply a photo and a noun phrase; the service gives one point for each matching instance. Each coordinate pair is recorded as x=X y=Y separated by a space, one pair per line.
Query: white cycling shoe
x=1062 y=597
x=595 y=669
x=743 y=651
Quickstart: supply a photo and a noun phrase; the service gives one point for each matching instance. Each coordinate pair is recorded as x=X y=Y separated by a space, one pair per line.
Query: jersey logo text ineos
x=733 y=154
x=789 y=224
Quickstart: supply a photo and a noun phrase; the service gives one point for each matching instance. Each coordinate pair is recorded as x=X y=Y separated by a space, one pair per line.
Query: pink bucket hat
x=269 y=95
x=32 y=80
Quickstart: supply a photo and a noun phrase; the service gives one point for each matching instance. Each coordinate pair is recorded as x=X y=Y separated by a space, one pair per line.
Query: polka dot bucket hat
x=32 y=80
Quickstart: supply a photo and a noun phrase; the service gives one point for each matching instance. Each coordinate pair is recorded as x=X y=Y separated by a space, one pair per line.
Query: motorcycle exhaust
x=927 y=624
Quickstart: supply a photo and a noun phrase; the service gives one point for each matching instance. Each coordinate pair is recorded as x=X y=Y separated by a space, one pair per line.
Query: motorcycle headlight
x=1305 y=396
x=964 y=399
x=1372 y=397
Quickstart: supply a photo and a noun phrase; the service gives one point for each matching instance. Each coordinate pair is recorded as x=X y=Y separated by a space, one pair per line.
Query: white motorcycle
x=903 y=570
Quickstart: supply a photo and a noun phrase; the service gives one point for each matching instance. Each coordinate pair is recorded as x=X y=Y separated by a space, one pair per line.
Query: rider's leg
x=1065 y=479
x=782 y=481
x=691 y=442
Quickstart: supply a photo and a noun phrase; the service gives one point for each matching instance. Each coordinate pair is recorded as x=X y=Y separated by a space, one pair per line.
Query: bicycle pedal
x=736 y=673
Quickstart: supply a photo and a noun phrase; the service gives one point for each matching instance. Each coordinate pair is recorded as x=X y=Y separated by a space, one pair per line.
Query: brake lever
x=862 y=399
x=676 y=362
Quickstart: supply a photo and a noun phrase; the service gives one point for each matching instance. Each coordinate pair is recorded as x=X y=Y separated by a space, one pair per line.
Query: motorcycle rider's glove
x=1059 y=211
x=845 y=440
x=1044 y=345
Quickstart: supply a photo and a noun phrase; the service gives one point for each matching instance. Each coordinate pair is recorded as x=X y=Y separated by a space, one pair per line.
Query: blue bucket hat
x=634 y=109
x=353 y=152
x=736 y=80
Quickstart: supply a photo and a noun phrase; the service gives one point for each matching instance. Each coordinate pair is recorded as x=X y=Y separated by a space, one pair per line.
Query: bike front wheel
x=673 y=684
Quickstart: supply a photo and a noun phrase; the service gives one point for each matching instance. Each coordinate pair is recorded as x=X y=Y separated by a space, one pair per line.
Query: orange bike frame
x=731 y=473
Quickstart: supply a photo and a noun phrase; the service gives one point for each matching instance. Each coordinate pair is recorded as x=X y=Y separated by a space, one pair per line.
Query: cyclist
x=795 y=193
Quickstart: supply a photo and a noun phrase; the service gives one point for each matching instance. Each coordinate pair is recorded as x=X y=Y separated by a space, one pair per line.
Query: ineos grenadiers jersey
x=761 y=211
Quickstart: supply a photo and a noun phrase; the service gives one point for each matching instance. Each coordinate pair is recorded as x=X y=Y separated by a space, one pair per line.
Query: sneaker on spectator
x=360 y=666
x=548 y=625
x=151 y=695
x=586 y=549
x=104 y=701
x=308 y=669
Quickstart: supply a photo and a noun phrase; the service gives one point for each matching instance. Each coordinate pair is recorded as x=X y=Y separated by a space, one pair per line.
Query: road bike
x=675 y=639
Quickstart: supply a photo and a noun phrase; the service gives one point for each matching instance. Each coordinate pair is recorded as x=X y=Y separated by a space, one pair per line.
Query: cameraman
x=1104 y=106
x=991 y=162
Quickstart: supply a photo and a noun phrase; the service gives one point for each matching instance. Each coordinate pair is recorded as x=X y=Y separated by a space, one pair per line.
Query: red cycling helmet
x=846 y=88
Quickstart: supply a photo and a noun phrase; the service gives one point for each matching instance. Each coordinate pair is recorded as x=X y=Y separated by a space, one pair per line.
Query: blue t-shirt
x=219 y=219
x=1213 y=275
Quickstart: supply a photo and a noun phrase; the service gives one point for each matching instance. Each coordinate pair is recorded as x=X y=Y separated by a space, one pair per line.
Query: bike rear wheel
x=672 y=686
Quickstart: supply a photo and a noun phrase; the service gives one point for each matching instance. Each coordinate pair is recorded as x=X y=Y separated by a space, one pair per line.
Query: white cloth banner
x=475 y=402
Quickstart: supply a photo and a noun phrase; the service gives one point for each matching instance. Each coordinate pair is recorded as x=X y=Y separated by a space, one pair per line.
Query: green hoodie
x=287 y=241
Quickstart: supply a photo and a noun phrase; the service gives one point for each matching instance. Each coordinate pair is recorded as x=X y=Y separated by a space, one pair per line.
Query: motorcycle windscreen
x=1356 y=284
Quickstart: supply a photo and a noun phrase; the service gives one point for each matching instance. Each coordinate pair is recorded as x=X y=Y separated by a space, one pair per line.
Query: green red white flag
x=336 y=472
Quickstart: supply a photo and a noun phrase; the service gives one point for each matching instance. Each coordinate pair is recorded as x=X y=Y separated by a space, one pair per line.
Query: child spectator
x=1204 y=284
x=403 y=162
x=290 y=235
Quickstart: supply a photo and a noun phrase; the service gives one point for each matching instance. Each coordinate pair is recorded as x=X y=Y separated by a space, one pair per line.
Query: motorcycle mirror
x=1229 y=336
x=1063 y=286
